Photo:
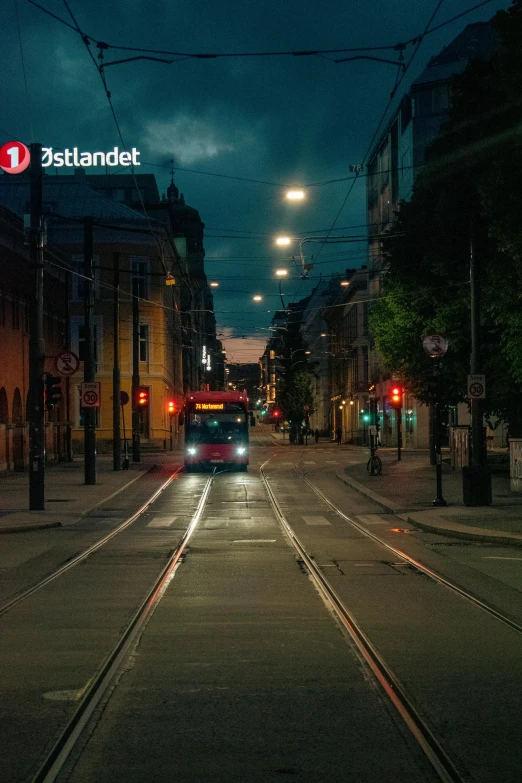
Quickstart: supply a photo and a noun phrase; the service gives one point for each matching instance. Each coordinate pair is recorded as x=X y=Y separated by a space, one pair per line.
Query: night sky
x=277 y=120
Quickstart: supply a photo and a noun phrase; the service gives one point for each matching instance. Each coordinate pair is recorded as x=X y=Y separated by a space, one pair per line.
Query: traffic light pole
x=36 y=413
x=89 y=365
x=135 y=371
x=116 y=437
x=399 y=434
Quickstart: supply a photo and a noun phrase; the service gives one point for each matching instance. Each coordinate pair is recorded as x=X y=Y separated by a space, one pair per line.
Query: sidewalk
x=67 y=497
x=408 y=488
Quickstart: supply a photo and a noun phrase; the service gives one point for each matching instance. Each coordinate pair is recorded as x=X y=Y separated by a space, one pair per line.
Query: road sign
x=476 y=387
x=124 y=398
x=67 y=363
x=435 y=345
x=91 y=395
x=14 y=157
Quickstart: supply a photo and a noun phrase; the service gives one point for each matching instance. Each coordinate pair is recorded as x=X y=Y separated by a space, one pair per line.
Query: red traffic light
x=143 y=396
x=171 y=407
x=276 y=414
x=396 y=397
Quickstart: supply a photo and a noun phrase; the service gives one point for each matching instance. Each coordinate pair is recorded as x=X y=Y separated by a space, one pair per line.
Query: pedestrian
x=339 y=435
x=316 y=433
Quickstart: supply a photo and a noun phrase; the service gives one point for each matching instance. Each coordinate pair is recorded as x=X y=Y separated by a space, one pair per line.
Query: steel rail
x=440 y=761
x=52 y=766
x=415 y=563
x=87 y=552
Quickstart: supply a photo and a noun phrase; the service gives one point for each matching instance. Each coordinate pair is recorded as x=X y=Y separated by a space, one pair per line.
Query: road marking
x=308 y=462
x=332 y=461
x=161 y=521
x=369 y=519
x=254 y=541
x=501 y=558
x=316 y=521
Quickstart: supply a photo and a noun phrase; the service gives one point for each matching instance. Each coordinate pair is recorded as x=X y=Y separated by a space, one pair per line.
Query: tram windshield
x=218 y=426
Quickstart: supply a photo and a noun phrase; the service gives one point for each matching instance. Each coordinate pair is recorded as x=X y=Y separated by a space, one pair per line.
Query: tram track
x=416 y=564
x=102 y=681
x=81 y=556
x=441 y=763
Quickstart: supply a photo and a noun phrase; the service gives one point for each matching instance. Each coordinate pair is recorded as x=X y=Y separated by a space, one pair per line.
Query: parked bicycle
x=374 y=465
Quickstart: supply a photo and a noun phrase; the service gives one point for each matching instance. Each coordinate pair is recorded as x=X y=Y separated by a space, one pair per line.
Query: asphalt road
x=242 y=673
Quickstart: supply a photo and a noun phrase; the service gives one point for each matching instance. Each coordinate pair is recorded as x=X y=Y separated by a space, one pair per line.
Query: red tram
x=216 y=430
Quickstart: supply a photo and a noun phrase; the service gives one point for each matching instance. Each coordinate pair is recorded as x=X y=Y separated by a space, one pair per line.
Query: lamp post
x=435 y=345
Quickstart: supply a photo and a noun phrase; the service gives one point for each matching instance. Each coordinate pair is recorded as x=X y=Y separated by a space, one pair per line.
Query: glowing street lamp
x=295 y=194
x=281 y=272
x=345 y=282
x=257 y=298
x=283 y=241
x=214 y=285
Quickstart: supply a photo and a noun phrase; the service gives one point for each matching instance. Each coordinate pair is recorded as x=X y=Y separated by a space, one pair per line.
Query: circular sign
x=124 y=398
x=90 y=397
x=435 y=345
x=67 y=363
x=14 y=157
x=476 y=390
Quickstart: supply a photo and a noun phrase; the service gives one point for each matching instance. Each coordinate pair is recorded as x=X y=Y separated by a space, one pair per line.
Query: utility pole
x=476 y=477
x=135 y=370
x=36 y=413
x=116 y=439
x=89 y=364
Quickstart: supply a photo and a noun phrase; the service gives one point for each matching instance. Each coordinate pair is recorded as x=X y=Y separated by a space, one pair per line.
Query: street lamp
x=283 y=241
x=214 y=285
x=257 y=298
x=295 y=194
x=281 y=272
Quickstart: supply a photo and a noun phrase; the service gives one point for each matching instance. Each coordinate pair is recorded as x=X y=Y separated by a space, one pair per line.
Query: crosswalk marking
x=161 y=521
x=316 y=521
x=372 y=519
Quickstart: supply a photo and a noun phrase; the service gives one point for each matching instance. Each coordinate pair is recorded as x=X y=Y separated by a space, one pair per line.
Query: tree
x=472 y=176
x=295 y=392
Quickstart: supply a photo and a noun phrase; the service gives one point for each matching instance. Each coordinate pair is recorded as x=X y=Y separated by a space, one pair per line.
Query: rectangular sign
x=476 y=387
x=90 y=395
x=210 y=406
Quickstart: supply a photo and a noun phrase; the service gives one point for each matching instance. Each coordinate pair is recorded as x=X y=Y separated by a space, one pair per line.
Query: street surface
x=243 y=673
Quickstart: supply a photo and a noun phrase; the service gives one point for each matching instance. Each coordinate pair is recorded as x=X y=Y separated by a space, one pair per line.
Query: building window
x=144 y=343
x=15 y=312
x=139 y=275
x=79 y=283
x=365 y=364
x=81 y=343
x=2 y=308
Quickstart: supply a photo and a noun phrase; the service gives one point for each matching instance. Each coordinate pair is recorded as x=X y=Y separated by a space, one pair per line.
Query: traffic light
x=365 y=416
x=396 y=397
x=276 y=414
x=53 y=391
x=143 y=396
x=171 y=407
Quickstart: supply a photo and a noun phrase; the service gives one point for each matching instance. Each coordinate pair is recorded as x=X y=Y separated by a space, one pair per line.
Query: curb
x=379 y=499
x=455 y=531
x=46 y=525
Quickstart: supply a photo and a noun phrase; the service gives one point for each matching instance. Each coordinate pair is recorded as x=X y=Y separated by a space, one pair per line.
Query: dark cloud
x=279 y=119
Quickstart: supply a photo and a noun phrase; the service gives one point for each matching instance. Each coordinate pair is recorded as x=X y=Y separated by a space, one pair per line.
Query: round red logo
x=14 y=157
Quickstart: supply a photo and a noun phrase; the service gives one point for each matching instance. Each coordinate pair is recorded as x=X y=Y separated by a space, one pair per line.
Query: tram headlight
x=192 y=451
x=241 y=450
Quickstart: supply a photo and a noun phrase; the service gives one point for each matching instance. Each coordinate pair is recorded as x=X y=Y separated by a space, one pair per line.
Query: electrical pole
x=36 y=413
x=116 y=439
x=135 y=370
x=89 y=364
